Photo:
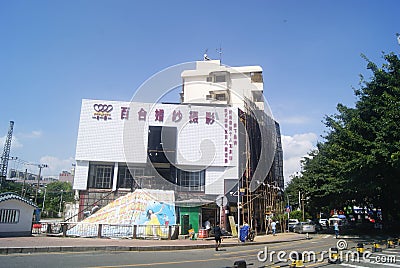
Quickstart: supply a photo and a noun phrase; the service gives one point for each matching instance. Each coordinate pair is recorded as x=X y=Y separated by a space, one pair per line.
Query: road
x=210 y=258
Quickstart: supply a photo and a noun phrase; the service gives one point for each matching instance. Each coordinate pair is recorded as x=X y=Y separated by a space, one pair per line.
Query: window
x=193 y=181
x=161 y=147
x=220 y=78
x=256 y=77
x=258 y=96
x=9 y=215
x=128 y=177
x=101 y=176
x=220 y=97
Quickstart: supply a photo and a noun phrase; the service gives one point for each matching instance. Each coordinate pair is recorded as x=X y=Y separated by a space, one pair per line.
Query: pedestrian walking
x=218 y=235
x=336 y=228
x=207 y=226
x=273 y=227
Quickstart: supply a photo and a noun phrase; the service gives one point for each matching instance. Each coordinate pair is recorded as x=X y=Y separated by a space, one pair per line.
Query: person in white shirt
x=273 y=227
x=207 y=225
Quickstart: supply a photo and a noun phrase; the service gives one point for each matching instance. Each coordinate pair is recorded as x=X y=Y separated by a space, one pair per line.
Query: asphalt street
x=268 y=255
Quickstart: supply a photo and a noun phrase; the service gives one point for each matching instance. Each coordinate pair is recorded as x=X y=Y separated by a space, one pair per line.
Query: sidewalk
x=32 y=244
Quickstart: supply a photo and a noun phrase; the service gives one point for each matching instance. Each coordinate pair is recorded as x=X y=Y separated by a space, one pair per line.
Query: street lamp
x=40 y=166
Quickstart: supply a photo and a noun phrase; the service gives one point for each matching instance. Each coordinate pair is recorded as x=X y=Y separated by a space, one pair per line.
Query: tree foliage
x=359 y=161
x=57 y=194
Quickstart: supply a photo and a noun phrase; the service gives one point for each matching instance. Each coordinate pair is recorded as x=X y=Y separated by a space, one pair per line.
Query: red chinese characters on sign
x=142 y=114
x=159 y=115
x=124 y=113
x=230 y=137
x=235 y=134
x=210 y=118
x=194 y=117
x=176 y=116
x=226 y=140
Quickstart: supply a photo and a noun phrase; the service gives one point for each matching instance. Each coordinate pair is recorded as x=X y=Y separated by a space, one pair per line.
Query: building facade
x=16 y=215
x=217 y=143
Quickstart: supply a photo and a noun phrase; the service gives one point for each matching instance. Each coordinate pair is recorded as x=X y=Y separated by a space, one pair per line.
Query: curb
x=55 y=249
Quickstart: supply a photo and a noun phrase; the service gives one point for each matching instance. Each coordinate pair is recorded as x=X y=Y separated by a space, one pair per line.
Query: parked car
x=323 y=222
x=304 y=227
x=292 y=223
x=318 y=226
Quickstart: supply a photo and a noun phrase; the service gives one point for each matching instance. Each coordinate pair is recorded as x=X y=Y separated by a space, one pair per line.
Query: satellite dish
x=221 y=201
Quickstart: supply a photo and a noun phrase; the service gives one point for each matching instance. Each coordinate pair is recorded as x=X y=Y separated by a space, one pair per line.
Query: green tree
x=10 y=186
x=57 y=193
x=359 y=162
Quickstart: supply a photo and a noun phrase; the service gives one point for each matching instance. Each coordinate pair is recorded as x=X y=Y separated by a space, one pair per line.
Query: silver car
x=304 y=227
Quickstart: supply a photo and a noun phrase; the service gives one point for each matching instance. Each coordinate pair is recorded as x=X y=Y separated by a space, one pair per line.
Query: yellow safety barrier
x=376 y=247
x=297 y=263
x=334 y=255
x=360 y=249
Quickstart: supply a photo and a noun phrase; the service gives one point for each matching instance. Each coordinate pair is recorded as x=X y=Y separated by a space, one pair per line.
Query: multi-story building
x=66 y=176
x=219 y=142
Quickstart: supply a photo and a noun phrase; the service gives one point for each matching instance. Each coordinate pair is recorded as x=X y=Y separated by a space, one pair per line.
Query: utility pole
x=288 y=212
x=44 y=197
x=61 y=200
x=40 y=166
x=302 y=204
x=23 y=184
x=238 y=209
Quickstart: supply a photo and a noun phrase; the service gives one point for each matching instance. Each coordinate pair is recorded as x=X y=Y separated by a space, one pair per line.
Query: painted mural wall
x=151 y=210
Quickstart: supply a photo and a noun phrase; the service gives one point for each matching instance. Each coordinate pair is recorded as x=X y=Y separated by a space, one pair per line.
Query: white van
x=340 y=221
x=292 y=223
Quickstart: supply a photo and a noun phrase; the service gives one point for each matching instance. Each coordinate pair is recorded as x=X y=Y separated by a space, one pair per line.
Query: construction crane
x=6 y=154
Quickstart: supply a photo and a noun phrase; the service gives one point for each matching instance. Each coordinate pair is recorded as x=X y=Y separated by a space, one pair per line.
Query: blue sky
x=55 y=53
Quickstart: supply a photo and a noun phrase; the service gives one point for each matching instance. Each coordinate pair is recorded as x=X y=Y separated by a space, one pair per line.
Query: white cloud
x=32 y=135
x=36 y=133
x=15 y=143
x=15 y=140
x=55 y=165
x=295 y=120
x=294 y=149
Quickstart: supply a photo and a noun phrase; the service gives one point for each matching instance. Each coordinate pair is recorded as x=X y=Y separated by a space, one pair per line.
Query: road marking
x=352 y=265
x=382 y=254
x=160 y=263
x=316 y=263
x=376 y=263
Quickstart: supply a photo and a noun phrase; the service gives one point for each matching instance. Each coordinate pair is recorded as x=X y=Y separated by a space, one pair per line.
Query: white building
x=198 y=148
x=16 y=215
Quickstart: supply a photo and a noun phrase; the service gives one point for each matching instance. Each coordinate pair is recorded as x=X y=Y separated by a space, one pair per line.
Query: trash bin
x=37 y=215
x=244 y=232
x=203 y=233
